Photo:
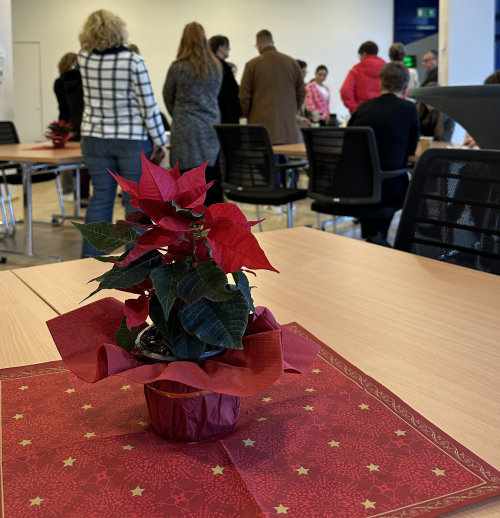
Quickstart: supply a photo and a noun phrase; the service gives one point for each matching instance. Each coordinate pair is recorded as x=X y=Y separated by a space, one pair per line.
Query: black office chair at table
x=12 y=175
x=452 y=209
x=249 y=171
x=345 y=175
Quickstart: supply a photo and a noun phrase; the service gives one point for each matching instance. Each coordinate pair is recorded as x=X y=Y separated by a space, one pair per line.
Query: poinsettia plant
x=59 y=130
x=178 y=266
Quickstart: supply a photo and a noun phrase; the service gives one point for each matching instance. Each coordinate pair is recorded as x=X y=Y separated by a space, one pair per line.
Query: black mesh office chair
x=345 y=175
x=249 y=171
x=40 y=173
x=452 y=209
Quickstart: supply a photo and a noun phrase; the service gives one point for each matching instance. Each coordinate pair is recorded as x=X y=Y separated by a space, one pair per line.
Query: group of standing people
x=121 y=118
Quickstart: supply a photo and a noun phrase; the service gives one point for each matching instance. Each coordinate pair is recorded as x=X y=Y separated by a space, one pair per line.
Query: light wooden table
x=427 y=330
x=299 y=149
x=31 y=153
x=24 y=337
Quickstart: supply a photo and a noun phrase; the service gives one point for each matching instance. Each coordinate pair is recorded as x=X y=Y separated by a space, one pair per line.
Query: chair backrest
x=452 y=209
x=344 y=165
x=247 y=157
x=8 y=133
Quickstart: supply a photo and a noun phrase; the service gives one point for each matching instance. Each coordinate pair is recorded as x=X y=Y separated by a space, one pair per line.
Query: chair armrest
x=291 y=165
x=396 y=172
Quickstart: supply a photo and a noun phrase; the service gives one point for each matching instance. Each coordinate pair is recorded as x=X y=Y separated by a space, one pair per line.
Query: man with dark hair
x=229 y=104
x=396 y=126
x=362 y=82
x=430 y=62
x=272 y=90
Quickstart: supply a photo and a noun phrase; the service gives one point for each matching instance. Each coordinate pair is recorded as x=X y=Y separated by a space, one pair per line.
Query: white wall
x=325 y=32
x=466 y=41
x=6 y=62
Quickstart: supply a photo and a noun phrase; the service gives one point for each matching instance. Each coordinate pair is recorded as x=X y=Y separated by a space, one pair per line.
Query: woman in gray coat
x=190 y=93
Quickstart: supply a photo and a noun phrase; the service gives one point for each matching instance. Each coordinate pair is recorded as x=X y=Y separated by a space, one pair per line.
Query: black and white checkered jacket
x=118 y=97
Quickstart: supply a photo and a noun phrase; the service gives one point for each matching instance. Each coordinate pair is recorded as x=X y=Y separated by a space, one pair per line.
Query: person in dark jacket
x=229 y=104
x=396 y=126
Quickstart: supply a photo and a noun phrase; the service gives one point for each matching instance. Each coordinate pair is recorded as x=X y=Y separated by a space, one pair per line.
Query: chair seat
x=356 y=211
x=279 y=196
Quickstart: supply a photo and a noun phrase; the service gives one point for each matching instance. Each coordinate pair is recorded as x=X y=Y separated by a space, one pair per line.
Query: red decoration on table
x=330 y=443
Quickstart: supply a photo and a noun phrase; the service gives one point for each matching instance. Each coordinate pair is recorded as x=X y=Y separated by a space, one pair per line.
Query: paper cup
x=425 y=143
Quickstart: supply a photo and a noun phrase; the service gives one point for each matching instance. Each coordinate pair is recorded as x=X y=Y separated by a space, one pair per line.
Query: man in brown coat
x=271 y=91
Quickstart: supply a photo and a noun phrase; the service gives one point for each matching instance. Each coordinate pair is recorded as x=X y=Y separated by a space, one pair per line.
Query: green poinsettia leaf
x=165 y=280
x=242 y=284
x=217 y=323
x=125 y=337
x=185 y=346
x=106 y=236
x=165 y=326
x=130 y=275
x=204 y=280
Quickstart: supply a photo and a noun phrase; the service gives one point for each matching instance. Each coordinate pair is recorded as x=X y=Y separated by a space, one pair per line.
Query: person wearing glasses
x=430 y=62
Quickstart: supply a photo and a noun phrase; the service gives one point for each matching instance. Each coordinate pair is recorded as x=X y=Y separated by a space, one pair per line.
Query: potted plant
x=59 y=132
x=207 y=345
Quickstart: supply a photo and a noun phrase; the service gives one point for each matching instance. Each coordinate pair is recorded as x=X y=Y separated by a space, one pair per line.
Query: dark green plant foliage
x=107 y=237
x=125 y=337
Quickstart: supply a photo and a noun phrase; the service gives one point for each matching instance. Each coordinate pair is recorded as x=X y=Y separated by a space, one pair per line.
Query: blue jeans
x=121 y=156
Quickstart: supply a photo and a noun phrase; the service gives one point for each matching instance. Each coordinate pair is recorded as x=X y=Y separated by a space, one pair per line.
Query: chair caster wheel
x=3 y=260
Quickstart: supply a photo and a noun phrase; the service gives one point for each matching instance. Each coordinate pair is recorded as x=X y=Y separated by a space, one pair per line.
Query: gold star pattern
x=267 y=399
x=310 y=390
x=143 y=423
x=400 y=432
x=86 y=407
x=248 y=442
x=69 y=391
x=364 y=406
x=316 y=371
x=218 y=470
x=25 y=442
x=17 y=416
x=125 y=387
x=128 y=447
x=69 y=461
x=373 y=467
x=137 y=491
x=88 y=435
x=302 y=470
x=36 y=501
x=309 y=408
x=368 y=504
x=281 y=509
x=439 y=472
x=262 y=419
x=23 y=387
x=333 y=443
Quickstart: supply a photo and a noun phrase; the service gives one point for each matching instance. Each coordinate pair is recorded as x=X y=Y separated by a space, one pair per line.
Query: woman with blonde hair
x=190 y=93
x=120 y=118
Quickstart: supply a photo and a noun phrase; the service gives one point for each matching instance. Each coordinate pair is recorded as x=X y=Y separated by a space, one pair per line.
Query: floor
x=65 y=241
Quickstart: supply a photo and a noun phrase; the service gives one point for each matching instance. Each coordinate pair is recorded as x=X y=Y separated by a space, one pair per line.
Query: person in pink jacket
x=318 y=95
x=362 y=81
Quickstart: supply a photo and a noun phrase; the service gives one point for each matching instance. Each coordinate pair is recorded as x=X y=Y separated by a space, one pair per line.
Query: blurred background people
x=395 y=123
x=397 y=53
x=430 y=62
x=362 y=82
x=272 y=90
x=229 y=104
x=120 y=117
x=190 y=93
x=434 y=123
x=318 y=95
x=303 y=114
x=69 y=94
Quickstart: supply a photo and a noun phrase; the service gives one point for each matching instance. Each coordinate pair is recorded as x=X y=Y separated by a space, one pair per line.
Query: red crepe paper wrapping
x=85 y=340
x=182 y=413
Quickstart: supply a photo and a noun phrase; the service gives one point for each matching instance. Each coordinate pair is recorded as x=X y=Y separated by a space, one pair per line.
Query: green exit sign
x=426 y=12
